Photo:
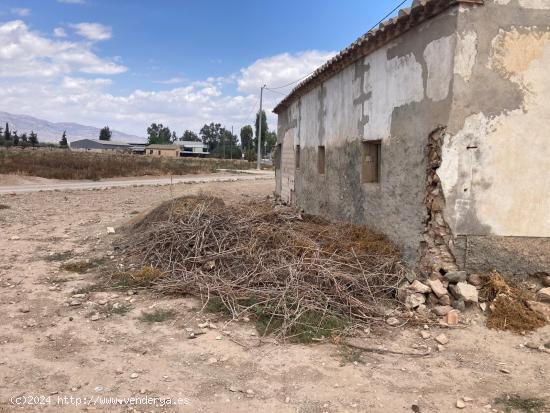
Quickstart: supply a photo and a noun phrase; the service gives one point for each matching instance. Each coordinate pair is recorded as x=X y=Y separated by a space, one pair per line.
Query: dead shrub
x=510 y=310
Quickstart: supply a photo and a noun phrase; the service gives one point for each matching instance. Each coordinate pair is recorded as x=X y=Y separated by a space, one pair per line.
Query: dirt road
x=35 y=185
x=66 y=345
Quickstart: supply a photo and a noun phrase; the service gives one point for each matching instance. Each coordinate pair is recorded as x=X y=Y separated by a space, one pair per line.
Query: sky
x=183 y=63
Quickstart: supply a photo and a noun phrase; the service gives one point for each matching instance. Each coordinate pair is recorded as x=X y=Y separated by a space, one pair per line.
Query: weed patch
x=4 y=206
x=157 y=316
x=514 y=402
x=59 y=256
x=349 y=355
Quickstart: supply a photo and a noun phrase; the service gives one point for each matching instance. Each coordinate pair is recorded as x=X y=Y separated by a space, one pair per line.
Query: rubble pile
x=447 y=294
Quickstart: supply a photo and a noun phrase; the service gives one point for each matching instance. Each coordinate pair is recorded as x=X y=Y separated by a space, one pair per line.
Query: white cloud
x=22 y=12
x=93 y=31
x=280 y=69
x=72 y=1
x=171 y=81
x=60 y=80
x=24 y=54
x=59 y=32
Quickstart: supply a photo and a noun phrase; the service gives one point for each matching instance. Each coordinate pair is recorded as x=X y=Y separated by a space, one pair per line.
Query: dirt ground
x=53 y=349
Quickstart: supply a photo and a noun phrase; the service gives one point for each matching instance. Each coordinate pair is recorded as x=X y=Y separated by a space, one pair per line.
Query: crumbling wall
x=438 y=241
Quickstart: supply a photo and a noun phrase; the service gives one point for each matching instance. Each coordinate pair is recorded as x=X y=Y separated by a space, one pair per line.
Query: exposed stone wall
x=438 y=243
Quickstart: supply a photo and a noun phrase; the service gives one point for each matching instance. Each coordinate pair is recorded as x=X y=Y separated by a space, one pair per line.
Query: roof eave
x=376 y=38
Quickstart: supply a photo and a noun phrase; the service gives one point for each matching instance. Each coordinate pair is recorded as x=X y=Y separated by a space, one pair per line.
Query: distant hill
x=51 y=132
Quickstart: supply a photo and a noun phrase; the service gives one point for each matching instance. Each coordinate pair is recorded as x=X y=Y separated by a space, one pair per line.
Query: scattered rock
x=445 y=300
x=442 y=339
x=541 y=308
x=134 y=376
x=459 y=305
x=475 y=279
x=419 y=287
x=437 y=287
x=546 y=281
x=110 y=230
x=212 y=360
x=119 y=371
x=31 y=323
x=233 y=389
x=392 y=321
x=468 y=292
x=440 y=348
x=414 y=300
x=452 y=318
x=544 y=295
x=483 y=306
x=432 y=299
x=532 y=345
x=454 y=291
x=250 y=392
x=74 y=303
x=460 y=404
x=14 y=238
x=25 y=309
x=455 y=276
x=467 y=399
x=505 y=371
x=442 y=310
x=95 y=317
x=425 y=335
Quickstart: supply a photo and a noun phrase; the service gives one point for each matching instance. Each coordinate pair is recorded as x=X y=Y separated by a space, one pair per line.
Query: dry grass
x=510 y=309
x=301 y=277
x=61 y=164
x=516 y=403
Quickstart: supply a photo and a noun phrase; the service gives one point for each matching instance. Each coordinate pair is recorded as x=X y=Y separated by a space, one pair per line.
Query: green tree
x=247 y=136
x=250 y=155
x=264 y=128
x=270 y=141
x=33 y=139
x=15 y=138
x=105 y=134
x=7 y=135
x=24 y=140
x=190 y=136
x=211 y=135
x=158 y=134
x=63 y=142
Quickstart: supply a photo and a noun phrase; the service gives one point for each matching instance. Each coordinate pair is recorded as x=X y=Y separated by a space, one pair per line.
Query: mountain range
x=51 y=132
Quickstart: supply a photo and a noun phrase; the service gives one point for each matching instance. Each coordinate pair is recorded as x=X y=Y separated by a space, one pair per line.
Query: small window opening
x=371 y=162
x=297 y=157
x=321 y=160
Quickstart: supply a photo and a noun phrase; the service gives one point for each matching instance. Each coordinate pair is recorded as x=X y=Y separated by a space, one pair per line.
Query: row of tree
x=9 y=138
x=221 y=142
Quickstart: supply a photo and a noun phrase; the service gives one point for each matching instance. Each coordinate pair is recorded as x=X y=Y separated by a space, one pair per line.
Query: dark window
x=371 y=161
x=297 y=157
x=321 y=160
x=159 y=152
x=150 y=151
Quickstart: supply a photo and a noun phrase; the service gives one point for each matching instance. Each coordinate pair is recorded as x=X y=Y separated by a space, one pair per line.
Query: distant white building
x=192 y=148
x=96 y=145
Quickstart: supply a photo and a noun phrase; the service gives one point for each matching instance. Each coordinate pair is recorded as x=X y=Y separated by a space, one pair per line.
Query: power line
x=313 y=71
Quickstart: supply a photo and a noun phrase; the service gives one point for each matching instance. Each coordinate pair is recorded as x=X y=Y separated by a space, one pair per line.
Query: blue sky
x=183 y=63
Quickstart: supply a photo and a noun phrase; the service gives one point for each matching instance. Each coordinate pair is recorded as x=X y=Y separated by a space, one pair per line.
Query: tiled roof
x=387 y=31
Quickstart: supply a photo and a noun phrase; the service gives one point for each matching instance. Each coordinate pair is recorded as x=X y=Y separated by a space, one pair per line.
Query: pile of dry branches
x=294 y=271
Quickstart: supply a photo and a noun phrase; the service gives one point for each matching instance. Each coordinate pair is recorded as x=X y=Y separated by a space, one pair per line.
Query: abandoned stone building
x=434 y=129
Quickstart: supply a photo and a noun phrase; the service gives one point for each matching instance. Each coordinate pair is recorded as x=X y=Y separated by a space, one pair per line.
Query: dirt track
x=53 y=349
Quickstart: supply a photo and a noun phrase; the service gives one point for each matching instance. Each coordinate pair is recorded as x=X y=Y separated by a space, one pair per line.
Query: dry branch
x=293 y=271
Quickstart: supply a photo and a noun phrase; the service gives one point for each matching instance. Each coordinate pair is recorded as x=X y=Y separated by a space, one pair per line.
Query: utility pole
x=258 y=166
x=231 y=143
